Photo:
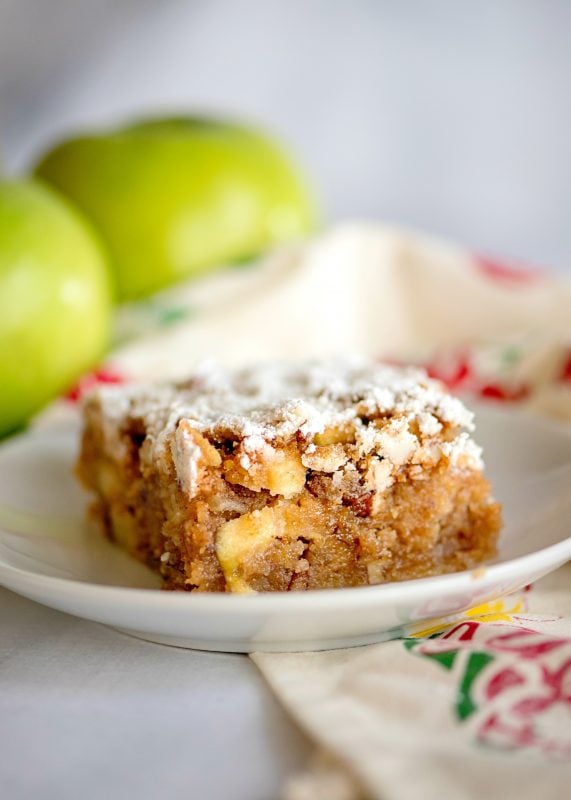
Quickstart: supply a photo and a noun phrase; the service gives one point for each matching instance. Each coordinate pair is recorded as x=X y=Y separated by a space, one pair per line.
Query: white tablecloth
x=86 y=712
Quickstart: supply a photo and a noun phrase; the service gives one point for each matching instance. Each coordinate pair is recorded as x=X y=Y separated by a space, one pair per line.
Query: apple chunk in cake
x=288 y=477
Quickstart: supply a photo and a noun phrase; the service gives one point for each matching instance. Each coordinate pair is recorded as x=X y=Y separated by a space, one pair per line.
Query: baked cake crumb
x=282 y=477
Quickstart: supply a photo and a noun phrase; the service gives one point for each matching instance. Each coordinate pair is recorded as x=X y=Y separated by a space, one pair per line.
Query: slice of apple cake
x=282 y=477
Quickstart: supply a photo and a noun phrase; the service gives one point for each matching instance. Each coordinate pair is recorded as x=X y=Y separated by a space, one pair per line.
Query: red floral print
x=508 y=274
x=92 y=379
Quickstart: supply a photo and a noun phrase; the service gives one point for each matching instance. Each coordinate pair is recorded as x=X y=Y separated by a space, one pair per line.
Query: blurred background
x=451 y=117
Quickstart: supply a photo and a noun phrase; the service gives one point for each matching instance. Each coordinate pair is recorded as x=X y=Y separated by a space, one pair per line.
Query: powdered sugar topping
x=267 y=404
x=275 y=400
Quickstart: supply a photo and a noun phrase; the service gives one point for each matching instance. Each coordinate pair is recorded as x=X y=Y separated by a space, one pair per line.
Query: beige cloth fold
x=362 y=288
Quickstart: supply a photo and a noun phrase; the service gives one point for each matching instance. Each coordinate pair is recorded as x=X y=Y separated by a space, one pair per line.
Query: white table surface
x=86 y=712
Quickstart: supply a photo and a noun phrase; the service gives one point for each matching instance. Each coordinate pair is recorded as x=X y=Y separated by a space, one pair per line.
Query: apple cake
x=284 y=477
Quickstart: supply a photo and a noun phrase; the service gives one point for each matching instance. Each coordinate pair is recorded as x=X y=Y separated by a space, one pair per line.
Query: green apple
x=55 y=298
x=175 y=197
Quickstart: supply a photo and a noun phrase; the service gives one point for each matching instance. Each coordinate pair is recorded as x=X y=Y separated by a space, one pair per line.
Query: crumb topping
x=397 y=413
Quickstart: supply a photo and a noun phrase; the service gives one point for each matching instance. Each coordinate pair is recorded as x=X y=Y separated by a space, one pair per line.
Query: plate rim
x=227 y=602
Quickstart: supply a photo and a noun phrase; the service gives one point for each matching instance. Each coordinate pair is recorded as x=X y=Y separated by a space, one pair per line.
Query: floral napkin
x=479 y=706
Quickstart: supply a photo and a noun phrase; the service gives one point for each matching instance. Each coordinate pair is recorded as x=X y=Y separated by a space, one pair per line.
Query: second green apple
x=175 y=197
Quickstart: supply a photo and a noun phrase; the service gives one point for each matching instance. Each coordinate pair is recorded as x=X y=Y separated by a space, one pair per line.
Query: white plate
x=48 y=554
